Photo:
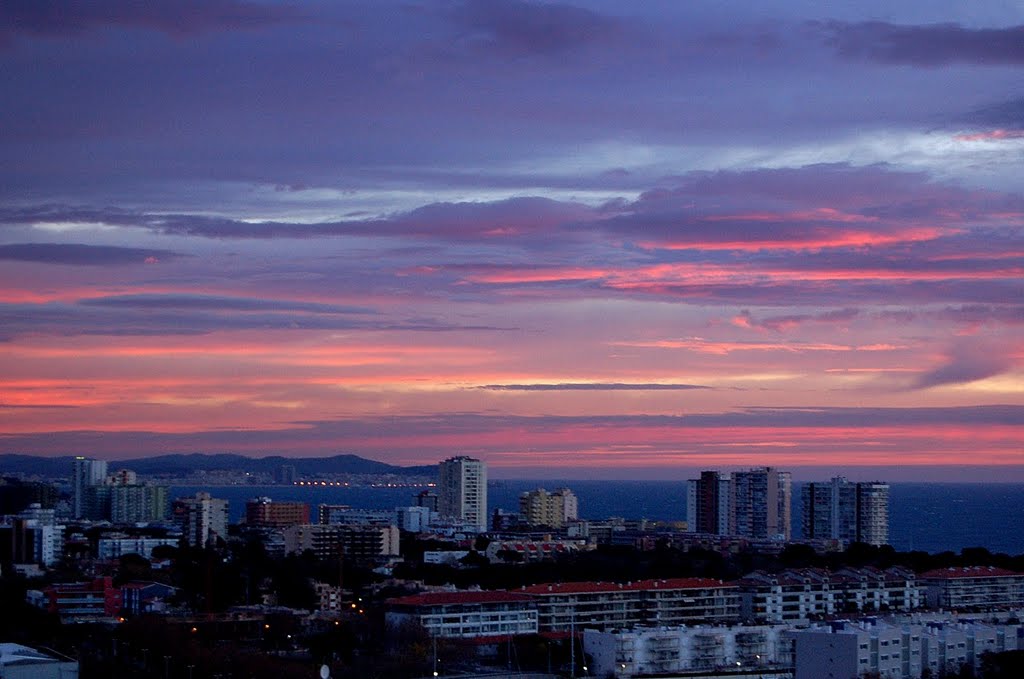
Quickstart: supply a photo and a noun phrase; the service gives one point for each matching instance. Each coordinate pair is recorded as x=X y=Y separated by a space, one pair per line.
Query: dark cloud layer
x=593 y=386
x=931 y=45
x=176 y=17
x=81 y=254
x=514 y=28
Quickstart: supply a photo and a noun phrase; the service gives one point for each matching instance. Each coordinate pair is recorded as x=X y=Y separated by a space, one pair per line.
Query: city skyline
x=571 y=240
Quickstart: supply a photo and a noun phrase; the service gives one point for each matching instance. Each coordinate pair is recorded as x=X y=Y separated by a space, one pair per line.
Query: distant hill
x=181 y=464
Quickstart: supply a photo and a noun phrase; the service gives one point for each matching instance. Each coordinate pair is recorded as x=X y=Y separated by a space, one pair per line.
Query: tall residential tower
x=843 y=510
x=462 y=490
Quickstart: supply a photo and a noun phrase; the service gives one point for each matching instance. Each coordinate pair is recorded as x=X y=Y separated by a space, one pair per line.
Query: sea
x=931 y=517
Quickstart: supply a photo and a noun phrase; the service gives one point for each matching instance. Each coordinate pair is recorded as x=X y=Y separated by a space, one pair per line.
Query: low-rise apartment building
x=897 y=648
x=812 y=593
x=466 y=614
x=973 y=588
x=607 y=605
x=668 y=651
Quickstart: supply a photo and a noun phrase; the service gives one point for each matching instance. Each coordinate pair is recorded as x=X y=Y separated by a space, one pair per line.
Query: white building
x=116 y=547
x=462 y=490
x=666 y=651
x=22 y=662
x=466 y=614
x=897 y=648
x=977 y=587
x=202 y=519
x=414 y=519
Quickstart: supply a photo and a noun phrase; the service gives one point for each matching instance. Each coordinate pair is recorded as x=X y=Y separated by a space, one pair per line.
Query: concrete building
x=345 y=515
x=462 y=490
x=710 y=506
x=145 y=597
x=762 y=500
x=203 y=519
x=79 y=600
x=113 y=547
x=763 y=651
x=554 y=510
x=609 y=605
x=85 y=474
x=365 y=544
x=973 y=588
x=428 y=499
x=414 y=519
x=262 y=512
x=754 y=504
x=138 y=503
x=466 y=614
x=22 y=662
x=898 y=648
x=527 y=551
x=798 y=595
x=847 y=511
x=32 y=536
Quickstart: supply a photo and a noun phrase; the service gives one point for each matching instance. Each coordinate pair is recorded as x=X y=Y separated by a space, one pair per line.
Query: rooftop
x=639 y=585
x=968 y=572
x=462 y=597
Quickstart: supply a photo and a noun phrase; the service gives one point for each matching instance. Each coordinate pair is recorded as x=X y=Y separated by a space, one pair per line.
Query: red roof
x=639 y=585
x=463 y=597
x=968 y=572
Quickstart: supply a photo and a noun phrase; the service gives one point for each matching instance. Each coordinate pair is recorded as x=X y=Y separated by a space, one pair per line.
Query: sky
x=576 y=240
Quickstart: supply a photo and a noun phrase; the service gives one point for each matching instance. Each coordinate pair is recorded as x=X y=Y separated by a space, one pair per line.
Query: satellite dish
x=325 y=671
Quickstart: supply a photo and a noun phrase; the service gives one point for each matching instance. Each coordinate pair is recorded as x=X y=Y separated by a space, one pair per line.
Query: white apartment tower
x=203 y=519
x=462 y=490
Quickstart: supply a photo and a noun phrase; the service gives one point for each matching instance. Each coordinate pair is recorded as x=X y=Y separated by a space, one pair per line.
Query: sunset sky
x=593 y=240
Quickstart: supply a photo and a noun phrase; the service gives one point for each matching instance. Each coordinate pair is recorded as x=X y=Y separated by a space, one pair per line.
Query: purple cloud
x=968 y=362
x=515 y=28
x=928 y=45
x=82 y=255
x=175 y=17
x=593 y=386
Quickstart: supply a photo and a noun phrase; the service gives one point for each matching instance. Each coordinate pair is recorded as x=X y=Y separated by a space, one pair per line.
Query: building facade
x=462 y=491
x=763 y=651
x=608 y=605
x=138 y=503
x=973 y=588
x=86 y=473
x=898 y=648
x=847 y=511
x=466 y=614
x=554 y=510
x=263 y=512
x=203 y=519
x=754 y=504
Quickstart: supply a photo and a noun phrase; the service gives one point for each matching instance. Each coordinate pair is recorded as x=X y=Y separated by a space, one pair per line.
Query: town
x=115 y=578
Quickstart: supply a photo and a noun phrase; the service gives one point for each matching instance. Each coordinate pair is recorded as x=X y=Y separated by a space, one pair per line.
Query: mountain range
x=183 y=464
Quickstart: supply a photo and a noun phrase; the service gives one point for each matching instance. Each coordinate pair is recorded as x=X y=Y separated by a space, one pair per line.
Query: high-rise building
x=138 y=503
x=843 y=510
x=203 y=519
x=762 y=498
x=541 y=508
x=709 y=504
x=86 y=473
x=462 y=490
x=753 y=504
